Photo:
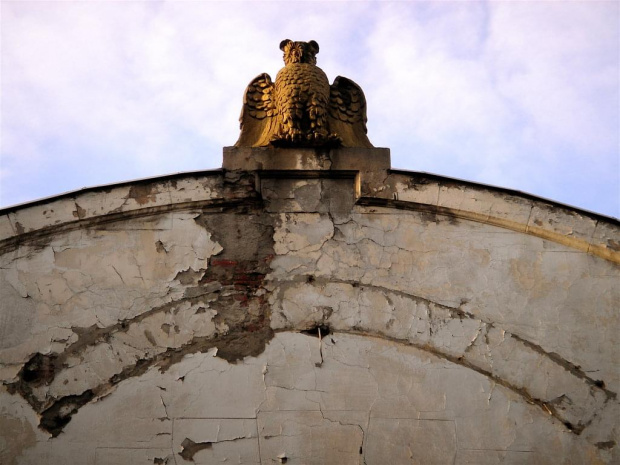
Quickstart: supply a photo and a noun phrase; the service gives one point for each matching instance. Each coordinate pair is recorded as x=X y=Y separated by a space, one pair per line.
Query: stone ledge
x=513 y=210
x=279 y=159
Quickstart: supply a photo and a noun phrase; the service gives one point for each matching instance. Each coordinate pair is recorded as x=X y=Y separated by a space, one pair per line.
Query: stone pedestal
x=367 y=167
x=306 y=159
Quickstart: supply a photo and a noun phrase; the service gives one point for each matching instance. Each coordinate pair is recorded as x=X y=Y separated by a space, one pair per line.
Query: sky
x=517 y=94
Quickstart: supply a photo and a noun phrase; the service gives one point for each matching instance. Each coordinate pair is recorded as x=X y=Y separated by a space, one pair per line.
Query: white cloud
x=510 y=93
x=559 y=65
x=502 y=91
x=431 y=89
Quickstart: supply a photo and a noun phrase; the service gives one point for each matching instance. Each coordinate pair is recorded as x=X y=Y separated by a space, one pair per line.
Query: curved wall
x=307 y=307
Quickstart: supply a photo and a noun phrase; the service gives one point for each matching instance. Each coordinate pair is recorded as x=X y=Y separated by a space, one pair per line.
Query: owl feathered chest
x=301 y=83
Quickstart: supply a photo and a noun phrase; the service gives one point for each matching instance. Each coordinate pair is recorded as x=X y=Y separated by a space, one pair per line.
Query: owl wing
x=257 y=120
x=347 y=113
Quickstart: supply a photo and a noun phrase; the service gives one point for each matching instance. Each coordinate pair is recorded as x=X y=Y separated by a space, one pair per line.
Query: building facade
x=308 y=306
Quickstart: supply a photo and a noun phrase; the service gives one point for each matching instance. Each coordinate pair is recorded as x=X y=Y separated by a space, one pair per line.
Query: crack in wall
x=597 y=250
x=485 y=325
x=477 y=353
x=231 y=287
x=41 y=238
x=575 y=370
x=56 y=412
x=234 y=290
x=191 y=448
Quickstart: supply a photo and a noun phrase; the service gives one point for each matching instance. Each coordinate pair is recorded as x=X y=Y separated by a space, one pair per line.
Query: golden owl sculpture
x=301 y=109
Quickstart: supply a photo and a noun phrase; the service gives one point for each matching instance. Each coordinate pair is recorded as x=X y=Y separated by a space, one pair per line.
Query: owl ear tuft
x=284 y=43
x=314 y=45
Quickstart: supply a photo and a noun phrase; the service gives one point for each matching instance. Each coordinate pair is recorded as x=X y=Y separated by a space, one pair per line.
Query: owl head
x=299 y=52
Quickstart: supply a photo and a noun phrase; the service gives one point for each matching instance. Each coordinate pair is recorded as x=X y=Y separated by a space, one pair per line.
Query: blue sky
x=523 y=95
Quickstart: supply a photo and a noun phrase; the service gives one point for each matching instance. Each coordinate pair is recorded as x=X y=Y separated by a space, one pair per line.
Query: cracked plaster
x=409 y=397
x=447 y=337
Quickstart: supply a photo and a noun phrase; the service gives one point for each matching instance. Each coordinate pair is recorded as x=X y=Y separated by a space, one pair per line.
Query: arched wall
x=302 y=307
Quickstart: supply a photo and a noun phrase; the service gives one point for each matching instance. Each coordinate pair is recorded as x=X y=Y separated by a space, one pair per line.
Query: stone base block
x=271 y=158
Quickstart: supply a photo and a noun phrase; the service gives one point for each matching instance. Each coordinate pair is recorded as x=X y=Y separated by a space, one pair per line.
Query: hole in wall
x=314 y=331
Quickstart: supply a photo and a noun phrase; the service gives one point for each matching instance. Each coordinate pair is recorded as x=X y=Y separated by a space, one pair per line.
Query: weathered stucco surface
x=313 y=308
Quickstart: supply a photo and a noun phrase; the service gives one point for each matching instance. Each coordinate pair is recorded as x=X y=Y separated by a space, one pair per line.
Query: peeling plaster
x=343 y=331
